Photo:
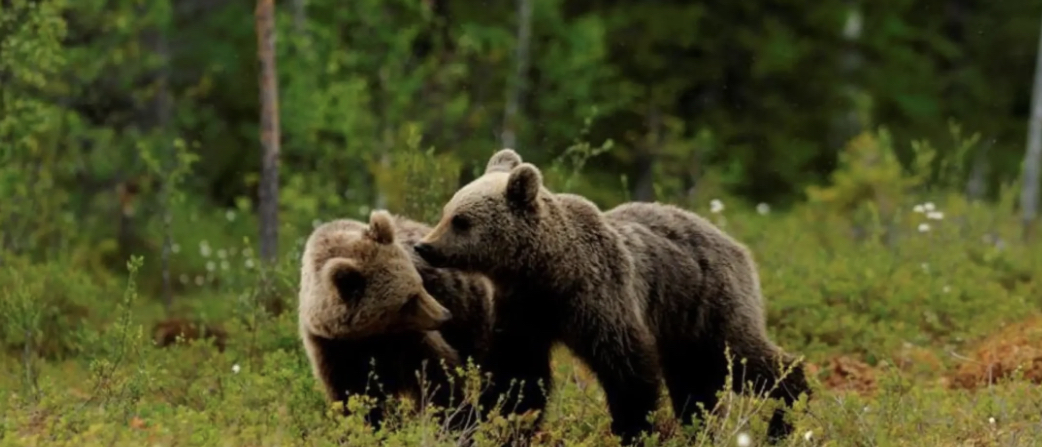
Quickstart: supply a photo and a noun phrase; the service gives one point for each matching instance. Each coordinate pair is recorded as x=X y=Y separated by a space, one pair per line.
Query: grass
x=916 y=336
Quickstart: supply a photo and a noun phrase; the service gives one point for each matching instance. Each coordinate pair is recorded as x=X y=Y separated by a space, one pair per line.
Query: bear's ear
x=381 y=227
x=503 y=161
x=523 y=185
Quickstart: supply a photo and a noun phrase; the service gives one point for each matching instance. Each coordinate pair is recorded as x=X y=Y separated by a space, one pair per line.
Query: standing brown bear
x=640 y=287
x=366 y=297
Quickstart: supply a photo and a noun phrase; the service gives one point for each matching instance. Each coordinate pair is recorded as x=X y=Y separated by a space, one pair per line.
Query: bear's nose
x=424 y=250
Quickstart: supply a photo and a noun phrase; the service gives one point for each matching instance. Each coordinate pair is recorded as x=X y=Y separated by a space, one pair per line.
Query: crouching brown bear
x=637 y=292
x=366 y=297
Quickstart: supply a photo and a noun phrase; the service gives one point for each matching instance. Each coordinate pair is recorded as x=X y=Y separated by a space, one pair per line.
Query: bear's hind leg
x=764 y=370
x=694 y=375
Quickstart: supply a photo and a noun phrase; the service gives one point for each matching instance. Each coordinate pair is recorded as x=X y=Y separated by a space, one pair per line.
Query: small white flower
x=808 y=435
x=176 y=248
x=946 y=289
x=225 y=265
x=928 y=206
x=991 y=421
x=763 y=209
x=935 y=215
x=925 y=266
x=249 y=263
x=204 y=249
x=924 y=227
x=716 y=206
x=230 y=215
x=222 y=253
x=918 y=208
x=235 y=368
x=210 y=266
x=744 y=440
x=198 y=280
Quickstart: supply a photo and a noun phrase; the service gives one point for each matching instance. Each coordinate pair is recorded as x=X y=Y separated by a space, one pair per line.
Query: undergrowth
x=889 y=288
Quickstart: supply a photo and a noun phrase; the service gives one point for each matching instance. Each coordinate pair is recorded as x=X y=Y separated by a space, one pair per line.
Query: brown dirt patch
x=996 y=357
x=846 y=373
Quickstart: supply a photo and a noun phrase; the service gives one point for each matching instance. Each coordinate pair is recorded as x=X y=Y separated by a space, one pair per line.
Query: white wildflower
x=763 y=208
x=222 y=253
x=204 y=249
x=924 y=227
x=808 y=435
x=946 y=289
x=744 y=440
x=249 y=263
x=925 y=266
x=991 y=421
x=918 y=208
x=935 y=215
x=210 y=266
x=928 y=206
x=235 y=368
x=716 y=206
x=230 y=215
x=176 y=248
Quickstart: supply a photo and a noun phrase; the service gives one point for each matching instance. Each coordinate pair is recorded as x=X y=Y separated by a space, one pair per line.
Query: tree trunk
x=161 y=105
x=977 y=184
x=269 y=124
x=300 y=15
x=644 y=188
x=516 y=90
x=1029 y=193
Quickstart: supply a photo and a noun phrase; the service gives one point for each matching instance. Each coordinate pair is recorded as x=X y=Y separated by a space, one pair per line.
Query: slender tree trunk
x=300 y=15
x=161 y=109
x=516 y=91
x=644 y=188
x=1033 y=157
x=269 y=124
x=977 y=184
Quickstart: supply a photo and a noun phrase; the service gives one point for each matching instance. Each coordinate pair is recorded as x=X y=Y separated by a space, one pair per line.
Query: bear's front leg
x=344 y=370
x=621 y=354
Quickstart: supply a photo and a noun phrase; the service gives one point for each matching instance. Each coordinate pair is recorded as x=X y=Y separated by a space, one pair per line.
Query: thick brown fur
x=639 y=291
x=365 y=296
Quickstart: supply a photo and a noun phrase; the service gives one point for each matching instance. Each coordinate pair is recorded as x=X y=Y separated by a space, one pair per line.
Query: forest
x=163 y=162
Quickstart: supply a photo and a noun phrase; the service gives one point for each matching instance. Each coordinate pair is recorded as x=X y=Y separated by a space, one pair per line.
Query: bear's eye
x=460 y=223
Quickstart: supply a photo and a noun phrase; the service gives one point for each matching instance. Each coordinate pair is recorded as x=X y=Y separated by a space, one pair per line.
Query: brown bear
x=366 y=297
x=637 y=291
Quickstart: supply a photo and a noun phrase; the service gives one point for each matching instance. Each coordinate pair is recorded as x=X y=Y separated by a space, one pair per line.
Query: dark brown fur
x=366 y=297
x=640 y=290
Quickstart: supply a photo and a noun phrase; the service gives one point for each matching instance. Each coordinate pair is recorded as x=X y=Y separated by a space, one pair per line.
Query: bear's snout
x=429 y=254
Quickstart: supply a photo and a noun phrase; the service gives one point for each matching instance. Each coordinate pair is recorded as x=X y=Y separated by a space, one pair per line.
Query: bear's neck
x=574 y=247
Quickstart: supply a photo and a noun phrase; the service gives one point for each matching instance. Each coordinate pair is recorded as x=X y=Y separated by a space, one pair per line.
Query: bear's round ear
x=503 y=161
x=523 y=185
x=381 y=227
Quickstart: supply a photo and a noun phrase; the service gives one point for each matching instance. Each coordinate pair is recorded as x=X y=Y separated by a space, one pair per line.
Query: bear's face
x=358 y=282
x=490 y=224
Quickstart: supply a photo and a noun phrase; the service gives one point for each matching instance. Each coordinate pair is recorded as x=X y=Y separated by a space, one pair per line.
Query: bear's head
x=357 y=281
x=492 y=224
